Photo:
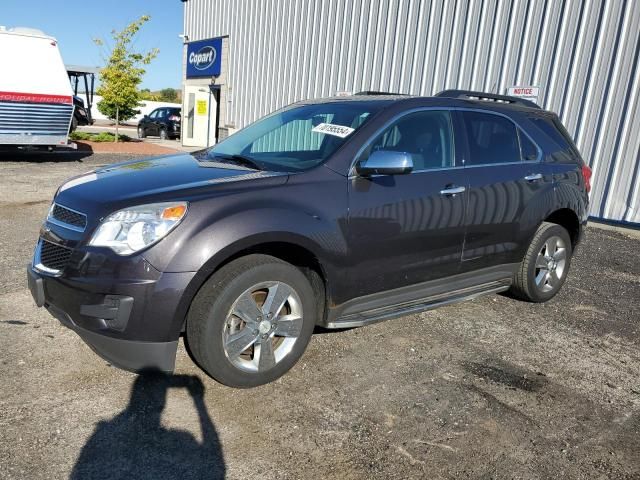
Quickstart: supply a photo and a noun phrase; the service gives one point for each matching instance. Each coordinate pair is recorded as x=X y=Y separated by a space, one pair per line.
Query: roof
x=81 y=69
x=435 y=101
x=26 y=32
x=355 y=98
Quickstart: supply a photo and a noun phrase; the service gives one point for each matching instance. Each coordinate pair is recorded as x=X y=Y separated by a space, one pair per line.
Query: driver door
x=408 y=229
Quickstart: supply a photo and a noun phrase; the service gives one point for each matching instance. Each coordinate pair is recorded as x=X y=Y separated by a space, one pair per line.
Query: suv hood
x=171 y=177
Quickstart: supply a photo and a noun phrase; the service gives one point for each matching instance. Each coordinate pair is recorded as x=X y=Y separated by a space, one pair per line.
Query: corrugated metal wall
x=582 y=54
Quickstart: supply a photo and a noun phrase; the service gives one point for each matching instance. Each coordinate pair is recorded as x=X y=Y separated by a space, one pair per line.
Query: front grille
x=54 y=256
x=69 y=217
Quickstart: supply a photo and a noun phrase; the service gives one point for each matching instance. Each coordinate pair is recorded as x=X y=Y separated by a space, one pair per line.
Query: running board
x=387 y=313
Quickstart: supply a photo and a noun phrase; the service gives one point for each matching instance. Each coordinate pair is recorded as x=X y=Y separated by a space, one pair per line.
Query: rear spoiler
x=490 y=97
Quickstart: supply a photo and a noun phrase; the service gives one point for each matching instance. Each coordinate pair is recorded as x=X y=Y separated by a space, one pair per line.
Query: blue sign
x=204 y=58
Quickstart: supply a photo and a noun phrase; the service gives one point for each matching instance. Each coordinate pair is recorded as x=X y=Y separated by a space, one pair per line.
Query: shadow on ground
x=42 y=156
x=135 y=445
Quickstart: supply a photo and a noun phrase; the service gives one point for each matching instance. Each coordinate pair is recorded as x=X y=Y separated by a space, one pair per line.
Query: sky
x=75 y=23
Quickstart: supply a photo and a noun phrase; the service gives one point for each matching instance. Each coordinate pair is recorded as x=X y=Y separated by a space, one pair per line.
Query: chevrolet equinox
x=337 y=212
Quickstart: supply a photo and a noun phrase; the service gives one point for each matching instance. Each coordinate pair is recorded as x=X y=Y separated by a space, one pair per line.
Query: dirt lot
x=493 y=388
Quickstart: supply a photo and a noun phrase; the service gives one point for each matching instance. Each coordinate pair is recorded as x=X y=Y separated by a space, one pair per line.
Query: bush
x=98 y=137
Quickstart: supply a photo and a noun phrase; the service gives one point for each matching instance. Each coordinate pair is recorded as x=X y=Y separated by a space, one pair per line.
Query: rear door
x=509 y=189
x=407 y=229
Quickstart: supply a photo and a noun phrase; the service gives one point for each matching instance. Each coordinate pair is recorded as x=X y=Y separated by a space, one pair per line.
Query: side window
x=557 y=133
x=528 y=149
x=154 y=114
x=492 y=139
x=426 y=135
x=547 y=125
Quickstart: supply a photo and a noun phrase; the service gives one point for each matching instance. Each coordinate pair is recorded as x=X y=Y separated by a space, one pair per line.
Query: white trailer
x=36 y=102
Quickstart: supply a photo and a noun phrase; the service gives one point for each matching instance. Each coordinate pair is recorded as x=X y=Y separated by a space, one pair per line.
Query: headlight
x=132 y=229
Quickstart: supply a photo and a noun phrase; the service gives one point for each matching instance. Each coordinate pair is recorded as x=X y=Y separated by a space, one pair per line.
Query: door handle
x=533 y=177
x=452 y=190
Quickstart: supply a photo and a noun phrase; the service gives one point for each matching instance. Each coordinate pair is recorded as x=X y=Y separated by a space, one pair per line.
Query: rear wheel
x=544 y=268
x=163 y=134
x=252 y=320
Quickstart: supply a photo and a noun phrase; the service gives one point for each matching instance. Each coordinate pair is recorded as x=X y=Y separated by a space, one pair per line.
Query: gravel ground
x=493 y=388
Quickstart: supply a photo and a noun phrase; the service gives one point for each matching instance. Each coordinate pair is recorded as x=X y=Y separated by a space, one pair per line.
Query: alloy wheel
x=262 y=326
x=550 y=264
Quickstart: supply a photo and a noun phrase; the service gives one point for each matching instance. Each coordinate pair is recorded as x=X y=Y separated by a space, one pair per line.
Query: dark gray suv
x=337 y=212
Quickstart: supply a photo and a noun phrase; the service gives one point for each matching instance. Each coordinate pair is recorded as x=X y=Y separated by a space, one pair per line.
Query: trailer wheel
x=74 y=124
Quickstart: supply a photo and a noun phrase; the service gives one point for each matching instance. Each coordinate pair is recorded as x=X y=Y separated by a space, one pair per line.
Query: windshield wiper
x=239 y=160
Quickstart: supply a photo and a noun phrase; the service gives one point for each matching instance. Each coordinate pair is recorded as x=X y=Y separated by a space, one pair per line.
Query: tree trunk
x=117 y=122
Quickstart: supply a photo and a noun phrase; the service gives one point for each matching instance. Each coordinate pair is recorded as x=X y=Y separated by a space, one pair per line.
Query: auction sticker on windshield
x=331 y=129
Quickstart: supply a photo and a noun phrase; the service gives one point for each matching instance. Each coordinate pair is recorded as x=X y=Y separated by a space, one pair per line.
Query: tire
x=218 y=325
x=141 y=133
x=545 y=266
x=74 y=124
x=163 y=134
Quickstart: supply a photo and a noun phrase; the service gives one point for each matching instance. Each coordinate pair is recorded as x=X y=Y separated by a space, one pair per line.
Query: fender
x=232 y=235
x=570 y=192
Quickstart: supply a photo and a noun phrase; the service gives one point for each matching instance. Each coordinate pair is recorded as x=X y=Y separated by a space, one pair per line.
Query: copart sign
x=204 y=58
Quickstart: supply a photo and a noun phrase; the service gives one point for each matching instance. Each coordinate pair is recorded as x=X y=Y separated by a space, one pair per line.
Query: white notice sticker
x=331 y=129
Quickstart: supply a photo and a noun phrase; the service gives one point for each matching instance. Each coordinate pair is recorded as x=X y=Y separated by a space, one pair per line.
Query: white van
x=36 y=100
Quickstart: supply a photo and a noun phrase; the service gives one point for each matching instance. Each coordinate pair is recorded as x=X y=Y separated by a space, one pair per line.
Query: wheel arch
x=568 y=219
x=295 y=250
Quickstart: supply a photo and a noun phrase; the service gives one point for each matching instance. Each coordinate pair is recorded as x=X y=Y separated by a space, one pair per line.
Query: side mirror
x=386 y=162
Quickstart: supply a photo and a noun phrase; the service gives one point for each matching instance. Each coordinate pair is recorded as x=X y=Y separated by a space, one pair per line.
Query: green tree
x=146 y=94
x=169 y=95
x=122 y=74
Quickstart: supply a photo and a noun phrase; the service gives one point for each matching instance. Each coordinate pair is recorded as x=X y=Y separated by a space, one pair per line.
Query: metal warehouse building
x=243 y=59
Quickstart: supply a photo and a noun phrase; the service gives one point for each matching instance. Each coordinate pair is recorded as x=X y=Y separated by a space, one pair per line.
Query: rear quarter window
x=555 y=131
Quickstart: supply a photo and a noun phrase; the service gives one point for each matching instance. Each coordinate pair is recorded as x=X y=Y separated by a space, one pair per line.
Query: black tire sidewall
x=555 y=230
x=210 y=353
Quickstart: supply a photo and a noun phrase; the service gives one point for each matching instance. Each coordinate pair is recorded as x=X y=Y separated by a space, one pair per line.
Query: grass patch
x=98 y=137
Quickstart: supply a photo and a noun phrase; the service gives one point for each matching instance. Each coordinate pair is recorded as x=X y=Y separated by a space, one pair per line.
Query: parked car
x=163 y=122
x=81 y=115
x=340 y=212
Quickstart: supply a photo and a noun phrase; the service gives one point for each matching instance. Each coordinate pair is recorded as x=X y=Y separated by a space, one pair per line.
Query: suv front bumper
x=132 y=325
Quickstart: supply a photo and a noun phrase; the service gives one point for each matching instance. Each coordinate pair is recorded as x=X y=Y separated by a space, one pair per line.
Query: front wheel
x=141 y=132
x=545 y=266
x=251 y=321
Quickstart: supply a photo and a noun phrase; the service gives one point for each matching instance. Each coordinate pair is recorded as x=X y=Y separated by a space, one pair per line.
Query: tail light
x=175 y=118
x=586 y=174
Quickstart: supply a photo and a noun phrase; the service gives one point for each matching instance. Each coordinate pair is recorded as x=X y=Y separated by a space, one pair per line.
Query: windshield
x=295 y=138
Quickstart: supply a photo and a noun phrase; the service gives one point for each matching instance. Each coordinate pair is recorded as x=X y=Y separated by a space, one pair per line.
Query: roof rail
x=491 y=97
x=373 y=92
